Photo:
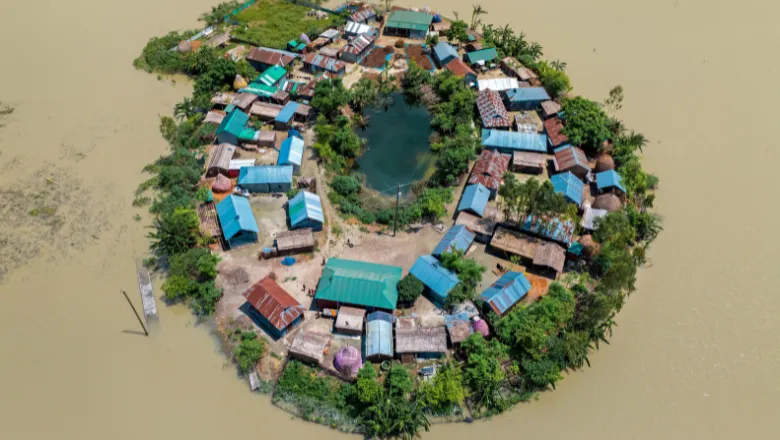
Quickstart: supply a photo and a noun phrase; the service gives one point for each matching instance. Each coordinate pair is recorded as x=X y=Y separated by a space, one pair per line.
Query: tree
x=344 y=140
x=362 y=94
x=398 y=383
x=175 y=231
x=414 y=78
x=218 y=12
x=530 y=197
x=555 y=81
x=432 y=40
x=185 y=109
x=346 y=185
x=409 y=289
x=458 y=31
x=178 y=287
x=432 y=202
x=542 y=372
x=204 y=301
x=469 y=273
x=615 y=100
x=388 y=3
x=451 y=164
x=329 y=96
x=248 y=351
x=476 y=12
x=586 y=124
x=368 y=390
x=445 y=391
x=483 y=373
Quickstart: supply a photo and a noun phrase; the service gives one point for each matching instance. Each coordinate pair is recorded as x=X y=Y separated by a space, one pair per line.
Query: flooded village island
x=393 y=218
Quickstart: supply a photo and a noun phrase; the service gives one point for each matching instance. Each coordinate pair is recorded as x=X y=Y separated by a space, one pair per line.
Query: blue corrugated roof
x=551 y=228
x=235 y=215
x=287 y=112
x=569 y=185
x=265 y=174
x=379 y=334
x=291 y=151
x=458 y=238
x=506 y=292
x=305 y=206
x=513 y=140
x=444 y=51
x=475 y=198
x=609 y=179
x=525 y=94
x=435 y=276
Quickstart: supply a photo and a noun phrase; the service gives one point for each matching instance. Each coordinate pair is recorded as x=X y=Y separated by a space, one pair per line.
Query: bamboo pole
x=140 y=321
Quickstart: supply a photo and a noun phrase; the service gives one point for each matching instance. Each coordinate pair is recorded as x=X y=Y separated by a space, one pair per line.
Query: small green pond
x=397 y=150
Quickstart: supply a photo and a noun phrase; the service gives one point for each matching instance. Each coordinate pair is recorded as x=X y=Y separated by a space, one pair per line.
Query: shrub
x=399 y=43
x=366 y=217
x=248 y=351
x=409 y=289
x=345 y=185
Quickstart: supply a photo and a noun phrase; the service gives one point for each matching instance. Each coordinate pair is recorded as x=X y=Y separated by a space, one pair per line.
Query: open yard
x=273 y=23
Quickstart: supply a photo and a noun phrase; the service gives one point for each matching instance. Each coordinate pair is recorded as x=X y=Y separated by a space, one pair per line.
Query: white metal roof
x=356 y=28
x=498 y=84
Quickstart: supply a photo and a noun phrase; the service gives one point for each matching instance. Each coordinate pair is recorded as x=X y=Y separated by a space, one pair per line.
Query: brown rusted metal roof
x=274 y=303
x=459 y=68
x=571 y=158
x=492 y=110
x=270 y=57
x=490 y=168
x=554 y=129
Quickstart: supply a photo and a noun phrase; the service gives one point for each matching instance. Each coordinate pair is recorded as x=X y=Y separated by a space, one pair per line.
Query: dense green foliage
x=218 y=12
x=458 y=31
x=469 y=273
x=508 y=44
x=586 y=124
x=555 y=81
x=248 y=351
x=409 y=289
x=442 y=394
x=191 y=275
x=531 y=197
x=273 y=23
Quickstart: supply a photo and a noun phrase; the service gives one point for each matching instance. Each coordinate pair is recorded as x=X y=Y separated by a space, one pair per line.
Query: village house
x=408 y=24
x=549 y=228
x=510 y=141
x=482 y=58
x=444 y=53
x=352 y=29
x=609 y=180
x=294 y=242
x=262 y=58
x=609 y=202
x=272 y=76
x=438 y=280
x=462 y=70
x=221 y=100
x=233 y=128
x=569 y=158
x=528 y=121
x=265 y=111
x=219 y=160
x=550 y=108
x=498 y=84
x=237 y=221
x=550 y=257
x=529 y=163
x=482 y=227
x=569 y=185
x=214 y=117
x=526 y=98
x=506 y=292
x=235 y=165
x=330 y=51
x=291 y=153
x=309 y=346
x=475 y=198
x=266 y=178
x=515 y=69
x=265 y=139
x=516 y=243
x=492 y=110
x=457 y=239
x=459 y=327
x=314 y=63
x=554 y=129
x=358 y=283
x=349 y=321
x=414 y=343
x=277 y=311
x=364 y=16
x=243 y=101
x=329 y=35
x=489 y=170
x=305 y=211
x=379 y=336
x=357 y=48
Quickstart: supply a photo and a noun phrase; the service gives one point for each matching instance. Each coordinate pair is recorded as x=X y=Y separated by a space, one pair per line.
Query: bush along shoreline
x=531 y=346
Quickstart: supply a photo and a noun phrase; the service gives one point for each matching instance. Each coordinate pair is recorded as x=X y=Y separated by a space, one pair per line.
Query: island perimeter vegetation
x=375 y=311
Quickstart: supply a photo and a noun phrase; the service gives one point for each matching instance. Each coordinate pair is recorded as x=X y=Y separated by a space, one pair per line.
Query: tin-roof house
x=489 y=170
x=482 y=57
x=569 y=158
x=475 y=199
x=232 y=127
x=379 y=336
x=357 y=48
x=315 y=62
x=492 y=110
x=409 y=24
x=512 y=141
x=266 y=179
x=506 y=292
x=569 y=185
x=277 y=310
x=272 y=75
x=609 y=180
x=458 y=238
x=526 y=98
x=219 y=160
x=438 y=280
x=554 y=129
x=444 y=53
x=358 y=283
x=462 y=70
x=262 y=58
x=305 y=211
x=291 y=153
x=365 y=15
x=238 y=223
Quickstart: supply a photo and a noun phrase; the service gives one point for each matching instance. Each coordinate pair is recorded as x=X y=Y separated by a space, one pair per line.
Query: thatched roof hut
x=309 y=346
x=219 y=159
x=516 y=243
x=550 y=255
x=605 y=163
x=421 y=340
x=610 y=202
x=298 y=240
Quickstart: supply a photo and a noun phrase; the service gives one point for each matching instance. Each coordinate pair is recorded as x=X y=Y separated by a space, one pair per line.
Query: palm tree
x=558 y=65
x=184 y=110
x=388 y=3
x=477 y=10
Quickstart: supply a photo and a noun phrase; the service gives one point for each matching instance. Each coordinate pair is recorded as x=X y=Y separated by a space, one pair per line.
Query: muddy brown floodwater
x=696 y=353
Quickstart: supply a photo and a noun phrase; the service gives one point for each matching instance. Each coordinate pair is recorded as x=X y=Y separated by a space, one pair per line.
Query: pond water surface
x=397 y=150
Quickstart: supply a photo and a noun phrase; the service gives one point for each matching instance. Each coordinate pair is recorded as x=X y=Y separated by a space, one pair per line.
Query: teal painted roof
x=458 y=238
x=435 y=276
x=485 y=55
x=475 y=198
x=524 y=94
x=445 y=51
x=233 y=123
x=359 y=283
x=305 y=206
x=235 y=215
x=569 y=185
x=609 y=179
x=259 y=89
x=291 y=151
x=416 y=21
x=265 y=174
x=513 y=140
x=271 y=76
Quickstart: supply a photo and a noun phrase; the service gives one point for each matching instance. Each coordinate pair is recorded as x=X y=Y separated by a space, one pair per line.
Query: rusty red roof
x=270 y=57
x=568 y=157
x=492 y=110
x=554 y=129
x=459 y=68
x=490 y=168
x=274 y=303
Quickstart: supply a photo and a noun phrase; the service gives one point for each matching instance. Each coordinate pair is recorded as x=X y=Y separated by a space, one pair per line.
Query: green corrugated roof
x=417 y=21
x=485 y=55
x=271 y=76
x=359 y=283
x=233 y=123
